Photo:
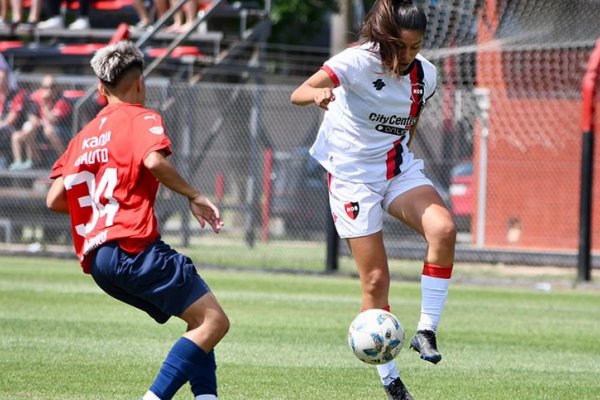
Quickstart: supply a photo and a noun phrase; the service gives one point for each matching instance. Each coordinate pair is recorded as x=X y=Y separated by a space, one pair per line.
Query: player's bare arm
x=203 y=209
x=56 y=200
x=11 y=119
x=317 y=89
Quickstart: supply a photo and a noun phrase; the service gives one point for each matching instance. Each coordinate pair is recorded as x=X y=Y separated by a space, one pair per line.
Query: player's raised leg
x=423 y=210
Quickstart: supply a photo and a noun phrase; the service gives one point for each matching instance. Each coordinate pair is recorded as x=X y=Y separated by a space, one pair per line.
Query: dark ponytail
x=383 y=24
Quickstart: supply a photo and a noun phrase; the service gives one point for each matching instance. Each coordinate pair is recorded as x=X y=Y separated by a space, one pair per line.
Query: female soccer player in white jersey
x=374 y=94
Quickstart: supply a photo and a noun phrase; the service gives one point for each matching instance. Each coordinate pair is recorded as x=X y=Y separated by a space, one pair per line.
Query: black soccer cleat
x=397 y=391
x=424 y=343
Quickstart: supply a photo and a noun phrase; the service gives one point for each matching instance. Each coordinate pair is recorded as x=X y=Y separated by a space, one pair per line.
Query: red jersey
x=14 y=102
x=109 y=191
x=61 y=108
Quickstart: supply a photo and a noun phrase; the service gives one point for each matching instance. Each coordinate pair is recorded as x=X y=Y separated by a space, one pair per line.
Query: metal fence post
x=482 y=96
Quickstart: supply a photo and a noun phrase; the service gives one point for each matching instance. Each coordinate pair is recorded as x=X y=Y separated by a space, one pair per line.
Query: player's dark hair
x=383 y=24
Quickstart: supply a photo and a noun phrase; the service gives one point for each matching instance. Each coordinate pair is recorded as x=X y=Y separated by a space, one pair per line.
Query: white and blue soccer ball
x=376 y=336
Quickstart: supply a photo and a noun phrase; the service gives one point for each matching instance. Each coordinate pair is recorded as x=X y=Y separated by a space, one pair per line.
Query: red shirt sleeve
x=150 y=131
x=57 y=168
x=332 y=75
x=18 y=102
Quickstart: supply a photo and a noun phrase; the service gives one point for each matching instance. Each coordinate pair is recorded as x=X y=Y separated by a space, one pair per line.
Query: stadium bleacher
x=66 y=50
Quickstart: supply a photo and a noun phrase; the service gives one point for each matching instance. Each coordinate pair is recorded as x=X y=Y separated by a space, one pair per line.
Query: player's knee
x=443 y=231
x=219 y=325
x=376 y=281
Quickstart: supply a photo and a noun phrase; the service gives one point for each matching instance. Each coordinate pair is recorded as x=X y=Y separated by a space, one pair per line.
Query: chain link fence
x=246 y=147
x=501 y=140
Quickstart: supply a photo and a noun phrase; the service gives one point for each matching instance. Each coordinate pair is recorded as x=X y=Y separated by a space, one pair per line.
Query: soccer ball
x=376 y=336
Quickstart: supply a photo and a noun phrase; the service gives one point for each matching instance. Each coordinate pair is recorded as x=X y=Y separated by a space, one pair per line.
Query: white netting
x=531 y=56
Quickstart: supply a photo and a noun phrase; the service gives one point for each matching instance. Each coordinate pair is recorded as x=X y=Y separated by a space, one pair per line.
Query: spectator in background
x=48 y=116
x=35 y=11
x=193 y=9
x=162 y=6
x=140 y=8
x=16 y=11
x=55 y=20
x=12 y=110
x=4 y=14
x=182 y=21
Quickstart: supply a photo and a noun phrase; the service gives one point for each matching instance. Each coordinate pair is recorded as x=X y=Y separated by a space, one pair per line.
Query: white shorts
x=357 y=208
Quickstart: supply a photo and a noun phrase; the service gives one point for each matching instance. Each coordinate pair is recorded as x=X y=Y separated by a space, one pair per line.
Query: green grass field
x=62 y=338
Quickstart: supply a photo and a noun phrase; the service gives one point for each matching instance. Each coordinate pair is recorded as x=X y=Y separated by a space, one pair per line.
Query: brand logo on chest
x=378 y=84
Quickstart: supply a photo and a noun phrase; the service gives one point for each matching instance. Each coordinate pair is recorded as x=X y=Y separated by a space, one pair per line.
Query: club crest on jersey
x=417 y=92
x=378 y=84
x=352 y=209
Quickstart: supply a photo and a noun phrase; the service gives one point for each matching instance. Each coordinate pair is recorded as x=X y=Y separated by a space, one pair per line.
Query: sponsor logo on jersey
x=157 y=130
x=352 y=209
x=392 y=130
x=392 y=124
x=378 y=84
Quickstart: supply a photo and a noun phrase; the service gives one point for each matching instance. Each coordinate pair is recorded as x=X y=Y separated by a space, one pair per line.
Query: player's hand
x=206 y=212
x=324 y=96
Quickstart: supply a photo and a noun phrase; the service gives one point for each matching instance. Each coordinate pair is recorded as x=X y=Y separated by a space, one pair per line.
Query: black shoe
x=424 y=342
x=397 y=391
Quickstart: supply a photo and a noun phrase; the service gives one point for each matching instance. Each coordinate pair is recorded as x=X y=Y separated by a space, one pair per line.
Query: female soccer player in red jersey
x=107 y=181
x=374 y=94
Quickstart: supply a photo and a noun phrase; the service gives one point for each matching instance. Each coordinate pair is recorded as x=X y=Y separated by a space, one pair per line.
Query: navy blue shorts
x=159 y=280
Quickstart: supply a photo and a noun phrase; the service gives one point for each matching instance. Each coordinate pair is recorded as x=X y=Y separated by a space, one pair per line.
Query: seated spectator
x=16 y=12
x=162 y=6
x=35 y=11
x=182 y=20
x=143 y=14
x=47 y=116
x=55 y=18
x=192 y=9
x=4 y=14
x=12 y=110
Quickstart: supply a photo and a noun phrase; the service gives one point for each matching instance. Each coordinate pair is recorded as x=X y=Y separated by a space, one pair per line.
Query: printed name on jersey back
x=96 y=141
x=94 y=154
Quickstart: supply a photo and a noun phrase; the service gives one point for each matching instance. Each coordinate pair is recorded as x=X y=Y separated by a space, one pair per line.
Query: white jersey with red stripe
x=364 y=135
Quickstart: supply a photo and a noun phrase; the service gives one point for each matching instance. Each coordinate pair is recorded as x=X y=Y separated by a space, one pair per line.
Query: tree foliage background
x=299 y=21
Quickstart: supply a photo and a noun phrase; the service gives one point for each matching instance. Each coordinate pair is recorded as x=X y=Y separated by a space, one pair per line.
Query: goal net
x=530 y=57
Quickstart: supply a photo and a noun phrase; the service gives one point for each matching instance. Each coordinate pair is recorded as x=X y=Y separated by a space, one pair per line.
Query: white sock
x=206 y=397
x=150 y=396
x=433 y=298
x=388 y=372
